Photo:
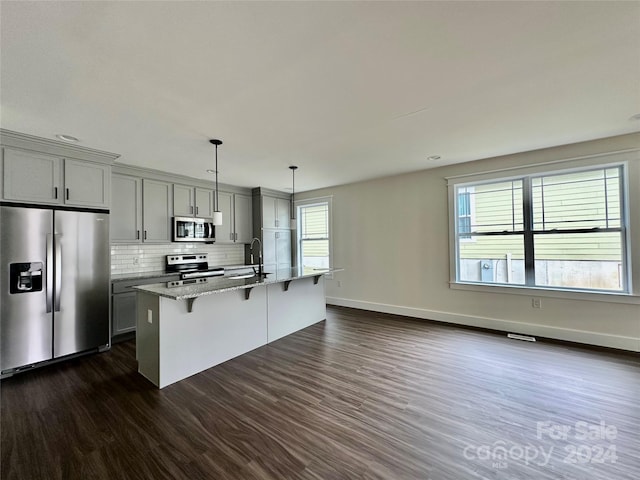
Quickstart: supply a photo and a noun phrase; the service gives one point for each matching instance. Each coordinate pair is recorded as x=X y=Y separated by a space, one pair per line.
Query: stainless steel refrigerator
x=54 y=284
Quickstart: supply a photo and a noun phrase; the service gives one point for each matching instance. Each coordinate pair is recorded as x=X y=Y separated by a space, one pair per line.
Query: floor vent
x=526 y=338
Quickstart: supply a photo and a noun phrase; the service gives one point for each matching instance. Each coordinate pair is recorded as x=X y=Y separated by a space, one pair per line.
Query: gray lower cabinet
x=124 y=313
x=277 y=249
x=124 y=304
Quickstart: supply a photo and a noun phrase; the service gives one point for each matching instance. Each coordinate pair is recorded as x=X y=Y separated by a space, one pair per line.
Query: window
x=313 y=233
x=464 y=212
x=559 y=230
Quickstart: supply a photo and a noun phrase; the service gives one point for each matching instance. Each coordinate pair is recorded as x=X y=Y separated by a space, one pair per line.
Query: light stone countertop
x=225 y=284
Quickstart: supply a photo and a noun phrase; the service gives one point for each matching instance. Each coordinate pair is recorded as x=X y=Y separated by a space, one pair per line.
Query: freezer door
x=26 y=276
x=81 y=296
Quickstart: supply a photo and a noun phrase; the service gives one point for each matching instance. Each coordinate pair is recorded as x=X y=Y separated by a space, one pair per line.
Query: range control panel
x=182 y=283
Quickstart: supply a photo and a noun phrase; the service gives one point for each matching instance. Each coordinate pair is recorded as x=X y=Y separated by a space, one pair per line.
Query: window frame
x=625 y=295
x=310 y=202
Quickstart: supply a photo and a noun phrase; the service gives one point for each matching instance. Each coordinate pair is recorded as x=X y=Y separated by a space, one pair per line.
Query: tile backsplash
x=151 y=258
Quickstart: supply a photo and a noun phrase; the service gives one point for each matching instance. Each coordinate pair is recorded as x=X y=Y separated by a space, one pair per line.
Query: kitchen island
x=184 y=330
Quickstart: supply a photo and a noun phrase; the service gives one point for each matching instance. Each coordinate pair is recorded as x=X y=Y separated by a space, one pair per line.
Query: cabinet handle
x=231 y=236
x=191 y=209
x=67 y=193
x=137 y=234
x=145 y=234
x=197 y=210
x=55 y=192
x=235 y=237
x=276 y=223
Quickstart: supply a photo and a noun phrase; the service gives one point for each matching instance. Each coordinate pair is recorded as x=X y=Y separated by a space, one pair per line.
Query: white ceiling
x=346 y=90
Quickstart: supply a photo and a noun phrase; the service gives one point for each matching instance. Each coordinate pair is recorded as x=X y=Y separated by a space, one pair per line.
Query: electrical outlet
x=150 y=316
x=339 y=284
x=536 y=303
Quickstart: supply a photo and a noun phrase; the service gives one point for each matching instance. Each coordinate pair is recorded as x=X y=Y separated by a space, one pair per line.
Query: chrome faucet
x=256 y=239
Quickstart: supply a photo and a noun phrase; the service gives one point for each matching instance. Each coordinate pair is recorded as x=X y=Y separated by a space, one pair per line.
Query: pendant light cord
x=216 y=207
x=293 y=169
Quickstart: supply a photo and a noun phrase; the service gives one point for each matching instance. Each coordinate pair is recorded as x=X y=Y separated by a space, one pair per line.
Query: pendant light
x=294 y=224
x=217 y=214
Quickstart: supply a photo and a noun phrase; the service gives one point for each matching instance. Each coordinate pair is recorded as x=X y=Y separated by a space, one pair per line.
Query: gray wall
x=391 y=236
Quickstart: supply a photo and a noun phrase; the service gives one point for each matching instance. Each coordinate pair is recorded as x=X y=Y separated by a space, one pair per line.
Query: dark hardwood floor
x=362 y=396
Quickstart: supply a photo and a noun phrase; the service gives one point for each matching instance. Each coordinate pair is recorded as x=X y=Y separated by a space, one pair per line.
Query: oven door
x=184 y=229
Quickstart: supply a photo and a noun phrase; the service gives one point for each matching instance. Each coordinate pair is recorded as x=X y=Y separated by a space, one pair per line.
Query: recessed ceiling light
x=433 y=158
x=67 y=138
x=210 y=171
x=635 y=117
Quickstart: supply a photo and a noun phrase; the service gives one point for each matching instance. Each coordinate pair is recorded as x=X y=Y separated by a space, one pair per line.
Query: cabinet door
x=86 y=184
x=183 y=201
x=243 y=219
x=283 y=213
x=283 y=248
x=156 y=208
x=269 y=248
x=126 y=209
x=204 y=203
x=32 y=177
x=224 y=232
x=268 y=212
x=123 y=313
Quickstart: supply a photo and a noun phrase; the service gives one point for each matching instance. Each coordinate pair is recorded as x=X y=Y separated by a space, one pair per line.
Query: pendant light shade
x=217 y=214
x=294 y=222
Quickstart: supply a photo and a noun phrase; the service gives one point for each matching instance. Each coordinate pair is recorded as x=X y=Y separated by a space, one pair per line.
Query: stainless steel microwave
x=187 y=229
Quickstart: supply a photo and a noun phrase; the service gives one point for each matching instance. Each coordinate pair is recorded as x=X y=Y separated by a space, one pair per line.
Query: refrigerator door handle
x=49 y=267
x=58 y=267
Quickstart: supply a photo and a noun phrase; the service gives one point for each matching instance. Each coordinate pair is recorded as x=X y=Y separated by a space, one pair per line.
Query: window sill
x=549 y=293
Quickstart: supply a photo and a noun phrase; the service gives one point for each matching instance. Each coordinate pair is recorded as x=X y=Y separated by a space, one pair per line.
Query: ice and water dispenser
x=25 y=277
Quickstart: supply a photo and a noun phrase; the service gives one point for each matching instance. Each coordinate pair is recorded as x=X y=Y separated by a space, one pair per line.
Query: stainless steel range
x=193 y=268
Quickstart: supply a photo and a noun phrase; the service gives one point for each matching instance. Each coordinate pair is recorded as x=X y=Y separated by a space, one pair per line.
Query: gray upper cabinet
x=243 y=218
x=42 y=178
x=271 y=223
x=283 y=213
x=192 y=201
x=37 y=170
x=236 y=218
x=141 y=210
x=86 y=184
x=204 y=202
x=32 y=177
x=183 y=201
x=225 y=232
x=126 y=209
x=275 y=212
x=156 y=211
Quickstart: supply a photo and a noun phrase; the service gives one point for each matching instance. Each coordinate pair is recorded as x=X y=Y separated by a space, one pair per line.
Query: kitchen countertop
x=121 y=277
x=225 y=284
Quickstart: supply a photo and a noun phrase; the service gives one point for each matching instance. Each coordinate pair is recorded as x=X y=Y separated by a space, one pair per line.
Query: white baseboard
x=578 y=336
